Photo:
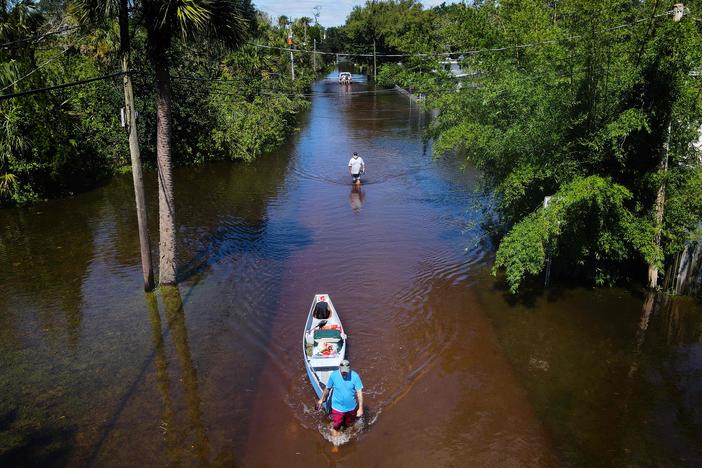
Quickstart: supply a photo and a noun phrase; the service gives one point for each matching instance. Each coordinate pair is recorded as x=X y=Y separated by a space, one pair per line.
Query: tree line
x=582 y=116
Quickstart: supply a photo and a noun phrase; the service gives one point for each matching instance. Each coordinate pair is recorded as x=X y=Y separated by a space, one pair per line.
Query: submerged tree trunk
x=166 y=208
x=130 y=118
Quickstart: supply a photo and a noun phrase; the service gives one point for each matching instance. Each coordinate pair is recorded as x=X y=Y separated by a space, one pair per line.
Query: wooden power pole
x=130 y=123
x=292 y=59
x=314 y=56
x=292 y=64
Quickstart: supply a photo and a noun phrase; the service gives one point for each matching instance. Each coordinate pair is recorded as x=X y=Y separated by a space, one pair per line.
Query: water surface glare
x=456 y=372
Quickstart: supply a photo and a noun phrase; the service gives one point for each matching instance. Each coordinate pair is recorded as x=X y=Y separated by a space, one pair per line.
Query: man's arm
x=325 y=393
x=359 y=396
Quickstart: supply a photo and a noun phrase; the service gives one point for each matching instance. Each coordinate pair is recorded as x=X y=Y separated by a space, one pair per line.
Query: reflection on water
x=614 y=376
x=456 y=371
x=162 y=379
x=190 y=436
x=356 y=198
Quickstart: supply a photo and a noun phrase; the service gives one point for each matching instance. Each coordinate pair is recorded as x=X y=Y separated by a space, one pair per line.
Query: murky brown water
x=457 y=373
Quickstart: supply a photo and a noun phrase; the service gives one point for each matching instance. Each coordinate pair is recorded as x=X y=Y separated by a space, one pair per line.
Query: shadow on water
x=36 y=443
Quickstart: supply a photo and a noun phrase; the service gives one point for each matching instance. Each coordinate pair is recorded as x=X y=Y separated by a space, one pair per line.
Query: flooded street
x=456 y=372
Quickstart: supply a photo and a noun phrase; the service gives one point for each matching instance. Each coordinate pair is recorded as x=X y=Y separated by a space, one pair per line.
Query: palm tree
x=226 y=21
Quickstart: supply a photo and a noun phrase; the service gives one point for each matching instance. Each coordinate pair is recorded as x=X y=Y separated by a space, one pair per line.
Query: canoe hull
x=319 y=367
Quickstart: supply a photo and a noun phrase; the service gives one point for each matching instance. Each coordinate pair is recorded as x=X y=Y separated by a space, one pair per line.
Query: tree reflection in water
x=177 y=441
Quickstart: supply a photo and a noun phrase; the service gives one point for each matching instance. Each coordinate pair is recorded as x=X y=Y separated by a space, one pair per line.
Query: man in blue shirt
x=347 y=397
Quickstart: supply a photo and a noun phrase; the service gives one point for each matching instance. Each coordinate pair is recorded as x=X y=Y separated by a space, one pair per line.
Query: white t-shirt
x=355 y=164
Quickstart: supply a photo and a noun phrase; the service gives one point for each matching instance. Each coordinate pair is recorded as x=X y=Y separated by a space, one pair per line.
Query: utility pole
x=292 y=59
x=292 y=64
x=130 y=123
x=375 y=67
x=314 y=56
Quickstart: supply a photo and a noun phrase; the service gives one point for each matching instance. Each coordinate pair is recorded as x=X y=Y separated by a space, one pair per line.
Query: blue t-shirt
x=344 y=394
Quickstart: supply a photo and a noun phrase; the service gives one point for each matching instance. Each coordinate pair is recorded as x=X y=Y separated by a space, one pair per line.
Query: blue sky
x=332 y=13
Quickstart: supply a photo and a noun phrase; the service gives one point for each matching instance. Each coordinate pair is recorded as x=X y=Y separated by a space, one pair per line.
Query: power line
x=238 y=80
x=61 y=86
x=34 y=70
x=466 y=52
x=38 y=38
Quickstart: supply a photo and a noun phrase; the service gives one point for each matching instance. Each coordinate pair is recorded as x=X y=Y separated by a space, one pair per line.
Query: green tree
x=591 y=103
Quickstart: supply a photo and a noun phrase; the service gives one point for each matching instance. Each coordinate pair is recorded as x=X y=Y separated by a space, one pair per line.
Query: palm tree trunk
x=166 y=208
x=130 y=117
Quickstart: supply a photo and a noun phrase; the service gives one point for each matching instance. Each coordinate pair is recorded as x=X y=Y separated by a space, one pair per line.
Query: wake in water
x=347 y=434
x=324 y=424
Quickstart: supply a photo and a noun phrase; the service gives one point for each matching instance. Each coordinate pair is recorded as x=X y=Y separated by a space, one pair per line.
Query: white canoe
x=323 y=344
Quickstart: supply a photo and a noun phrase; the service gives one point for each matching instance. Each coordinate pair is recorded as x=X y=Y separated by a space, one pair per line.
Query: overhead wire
x=465 y=52
x=61 y=86
x=39 y=67
x=38 y=38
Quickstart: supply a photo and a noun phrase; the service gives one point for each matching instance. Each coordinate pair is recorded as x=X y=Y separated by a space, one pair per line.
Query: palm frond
x=96 y=11
x=233 y=21
x=193 y=15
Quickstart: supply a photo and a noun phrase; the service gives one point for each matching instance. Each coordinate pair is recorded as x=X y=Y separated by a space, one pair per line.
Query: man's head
x=345 y=367
x=355 y=154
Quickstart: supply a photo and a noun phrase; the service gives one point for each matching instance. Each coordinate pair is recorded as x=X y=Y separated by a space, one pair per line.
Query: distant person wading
x=356 y=168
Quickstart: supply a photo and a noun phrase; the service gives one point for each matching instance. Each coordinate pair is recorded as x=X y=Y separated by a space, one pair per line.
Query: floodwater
x=456 y=372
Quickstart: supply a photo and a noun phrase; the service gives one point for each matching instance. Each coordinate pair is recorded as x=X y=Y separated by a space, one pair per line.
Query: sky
x=332 y=12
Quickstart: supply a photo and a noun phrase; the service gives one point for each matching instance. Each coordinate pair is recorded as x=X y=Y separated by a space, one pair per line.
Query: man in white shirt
x=356 y=168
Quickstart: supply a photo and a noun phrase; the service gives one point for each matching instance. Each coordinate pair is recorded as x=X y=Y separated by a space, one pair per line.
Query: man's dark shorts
x=355 y=177
x=343 y=419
